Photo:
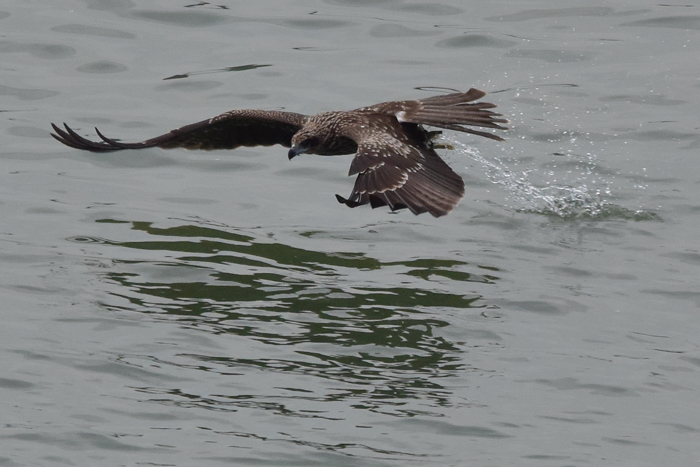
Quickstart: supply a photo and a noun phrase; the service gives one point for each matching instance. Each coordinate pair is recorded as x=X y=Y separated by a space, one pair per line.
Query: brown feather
x=394 y=161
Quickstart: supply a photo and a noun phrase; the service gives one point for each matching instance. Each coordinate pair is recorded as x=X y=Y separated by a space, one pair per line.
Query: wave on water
x=585 y=196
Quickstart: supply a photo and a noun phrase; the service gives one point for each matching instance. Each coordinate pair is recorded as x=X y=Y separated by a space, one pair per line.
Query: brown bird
x=395 y=159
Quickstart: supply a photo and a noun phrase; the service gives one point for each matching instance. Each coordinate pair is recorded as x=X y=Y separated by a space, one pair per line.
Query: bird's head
x=304 y=142
x=316 y=136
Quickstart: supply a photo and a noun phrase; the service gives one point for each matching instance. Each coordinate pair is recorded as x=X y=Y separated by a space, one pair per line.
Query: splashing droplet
x=556 y=199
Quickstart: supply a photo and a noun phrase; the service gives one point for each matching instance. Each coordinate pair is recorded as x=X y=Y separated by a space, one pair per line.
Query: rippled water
x=221 y=308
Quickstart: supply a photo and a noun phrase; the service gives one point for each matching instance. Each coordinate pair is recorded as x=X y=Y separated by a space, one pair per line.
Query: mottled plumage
x=395 y=161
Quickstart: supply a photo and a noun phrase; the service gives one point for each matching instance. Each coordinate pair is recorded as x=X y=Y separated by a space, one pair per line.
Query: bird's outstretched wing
x=449 y=111
x=226 y=131
x=398 y=170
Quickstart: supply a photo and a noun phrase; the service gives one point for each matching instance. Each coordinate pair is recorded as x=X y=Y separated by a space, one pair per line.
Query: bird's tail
x=452 y=111
x=454 y=98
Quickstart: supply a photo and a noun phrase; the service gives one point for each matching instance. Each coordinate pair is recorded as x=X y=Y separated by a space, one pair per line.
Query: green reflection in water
x=347 y=317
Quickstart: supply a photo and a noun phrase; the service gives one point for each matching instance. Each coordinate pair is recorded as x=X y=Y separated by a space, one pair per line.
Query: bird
x=395 y=159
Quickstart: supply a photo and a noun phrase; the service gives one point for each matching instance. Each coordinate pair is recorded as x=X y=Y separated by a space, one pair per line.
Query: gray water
x=221 y=308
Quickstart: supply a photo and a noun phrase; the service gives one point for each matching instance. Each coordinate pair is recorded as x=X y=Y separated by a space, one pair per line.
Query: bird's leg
x=433 y=136
x=443 y=146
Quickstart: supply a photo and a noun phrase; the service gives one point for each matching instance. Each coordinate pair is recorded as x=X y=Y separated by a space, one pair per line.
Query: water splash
x=570 y=199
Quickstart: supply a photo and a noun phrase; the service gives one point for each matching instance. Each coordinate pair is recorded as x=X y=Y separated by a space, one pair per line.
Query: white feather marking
x=400 y=116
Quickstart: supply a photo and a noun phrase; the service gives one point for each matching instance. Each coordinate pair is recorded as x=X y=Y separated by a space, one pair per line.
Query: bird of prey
x=395 y=159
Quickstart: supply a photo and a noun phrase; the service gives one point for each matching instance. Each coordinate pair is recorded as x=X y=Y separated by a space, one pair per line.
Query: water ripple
x=381 y=343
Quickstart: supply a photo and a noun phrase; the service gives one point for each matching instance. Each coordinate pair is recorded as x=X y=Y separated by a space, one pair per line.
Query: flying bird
x=395 y=159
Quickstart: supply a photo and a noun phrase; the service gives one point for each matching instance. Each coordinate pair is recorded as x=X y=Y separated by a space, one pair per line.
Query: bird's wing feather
x=397 y=171
x=226 y=131
x=449 y=111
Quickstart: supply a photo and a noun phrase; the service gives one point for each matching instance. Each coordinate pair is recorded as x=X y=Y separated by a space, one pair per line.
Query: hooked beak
x=296 y=150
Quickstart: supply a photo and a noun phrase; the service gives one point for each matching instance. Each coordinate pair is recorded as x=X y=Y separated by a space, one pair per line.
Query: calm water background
x=189 y=308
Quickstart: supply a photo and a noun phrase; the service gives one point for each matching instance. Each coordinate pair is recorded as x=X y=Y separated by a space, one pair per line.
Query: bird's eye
x=310 y=143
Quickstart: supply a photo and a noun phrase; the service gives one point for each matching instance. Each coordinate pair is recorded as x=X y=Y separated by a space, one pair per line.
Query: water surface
x=221 y=308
